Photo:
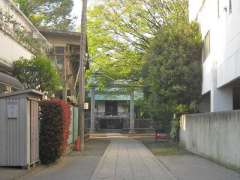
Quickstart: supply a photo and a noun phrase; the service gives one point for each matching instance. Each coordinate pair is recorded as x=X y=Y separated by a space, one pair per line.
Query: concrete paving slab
x=75 y=166
x=72 y=168
x=11 y=173
x=128 y=159
x=191 y=167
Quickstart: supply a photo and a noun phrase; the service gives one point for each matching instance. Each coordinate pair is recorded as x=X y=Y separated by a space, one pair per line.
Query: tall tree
x=122 y=32
x=172 y=72
x=119 y=32
x=54 y=14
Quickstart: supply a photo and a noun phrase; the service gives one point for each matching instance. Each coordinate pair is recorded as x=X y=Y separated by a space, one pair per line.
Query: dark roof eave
x=59 y=32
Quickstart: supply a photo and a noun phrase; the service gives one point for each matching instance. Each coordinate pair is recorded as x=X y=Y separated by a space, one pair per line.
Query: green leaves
x=53 y=14
x=38 y=73
x=172 y=70
x=119 y=33
x=150 y=42
x=54 y=130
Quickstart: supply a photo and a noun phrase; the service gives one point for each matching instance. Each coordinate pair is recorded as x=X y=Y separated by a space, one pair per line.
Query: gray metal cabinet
x=19 y=128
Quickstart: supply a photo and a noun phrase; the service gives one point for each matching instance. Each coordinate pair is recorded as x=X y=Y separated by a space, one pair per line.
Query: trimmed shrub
x=54 y=130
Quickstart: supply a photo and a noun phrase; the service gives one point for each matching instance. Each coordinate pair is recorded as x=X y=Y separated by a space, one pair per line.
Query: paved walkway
x=127 y=159
x=191 y=167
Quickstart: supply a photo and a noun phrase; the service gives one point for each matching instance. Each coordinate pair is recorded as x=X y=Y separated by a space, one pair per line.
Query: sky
x=77 y=8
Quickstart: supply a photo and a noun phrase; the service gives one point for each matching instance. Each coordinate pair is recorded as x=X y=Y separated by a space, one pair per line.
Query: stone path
x=128 y=159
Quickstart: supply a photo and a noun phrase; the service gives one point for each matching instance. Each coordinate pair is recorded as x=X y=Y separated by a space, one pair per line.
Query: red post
x=78 y=144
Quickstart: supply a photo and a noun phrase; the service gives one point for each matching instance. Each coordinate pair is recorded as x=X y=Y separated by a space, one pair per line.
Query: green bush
x=54 y=130
x=175 y=125
x=37 y=73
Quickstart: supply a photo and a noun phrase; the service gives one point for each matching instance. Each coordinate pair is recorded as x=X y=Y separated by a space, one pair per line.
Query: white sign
x=12 y=110
x=86 y=106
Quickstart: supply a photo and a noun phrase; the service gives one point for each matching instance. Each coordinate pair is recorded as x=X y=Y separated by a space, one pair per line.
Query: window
x=111 y=108
x=58 y=55
x=59 y=50
x=60 y=61
x=230 y=6
x=236 y=98
x=206 y=47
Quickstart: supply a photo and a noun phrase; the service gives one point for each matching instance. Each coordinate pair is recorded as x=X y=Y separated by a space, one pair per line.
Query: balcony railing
x=30 y=40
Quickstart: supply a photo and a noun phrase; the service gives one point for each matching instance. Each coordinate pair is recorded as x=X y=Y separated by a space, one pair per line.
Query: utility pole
x=81 y=97
x=132 y=118
x=92 y=129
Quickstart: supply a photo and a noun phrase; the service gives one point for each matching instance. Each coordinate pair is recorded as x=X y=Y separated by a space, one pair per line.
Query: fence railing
x=105 y=115
x=143 y=124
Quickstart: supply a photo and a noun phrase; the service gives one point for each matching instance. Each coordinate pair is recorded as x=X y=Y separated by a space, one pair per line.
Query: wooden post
x=81 y=97
x=65 y=75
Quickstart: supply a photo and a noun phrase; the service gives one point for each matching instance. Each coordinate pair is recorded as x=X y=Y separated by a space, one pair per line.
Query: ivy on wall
x=15 y=30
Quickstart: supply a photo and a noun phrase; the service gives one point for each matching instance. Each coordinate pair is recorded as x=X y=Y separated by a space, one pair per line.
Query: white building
x=18 y=38
x=220 y=27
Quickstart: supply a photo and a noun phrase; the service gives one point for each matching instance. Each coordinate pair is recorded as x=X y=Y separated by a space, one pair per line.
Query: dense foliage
x=37 y=73
x=139 y=42
x=119 y=32
x=54 y=130
x=172 y=72
x=54 y=14
x=149 y=43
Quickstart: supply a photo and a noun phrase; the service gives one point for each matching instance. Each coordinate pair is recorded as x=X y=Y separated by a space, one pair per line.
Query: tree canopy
x=172 y=72
x=119 y=32
x=151 y=43
x=54 y=14
x=37 y=73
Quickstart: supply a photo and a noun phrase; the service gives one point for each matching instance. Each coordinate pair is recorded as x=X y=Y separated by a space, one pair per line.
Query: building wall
x=204 y=105
x=8 y=7
x=213 y=135
x=10 y=50
x=61 y=40
x=222 y=66
x=122 y=107
x=70 y=41
x=100 y=106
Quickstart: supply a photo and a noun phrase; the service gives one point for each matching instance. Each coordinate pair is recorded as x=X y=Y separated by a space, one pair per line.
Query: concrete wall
x=11 y=50
x=213 y=135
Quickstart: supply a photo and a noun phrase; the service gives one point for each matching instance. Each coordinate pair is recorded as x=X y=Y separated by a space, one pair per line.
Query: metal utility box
x=19 y=128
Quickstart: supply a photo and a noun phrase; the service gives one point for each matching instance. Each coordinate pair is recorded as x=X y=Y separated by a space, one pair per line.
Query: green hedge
x=54 y=130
